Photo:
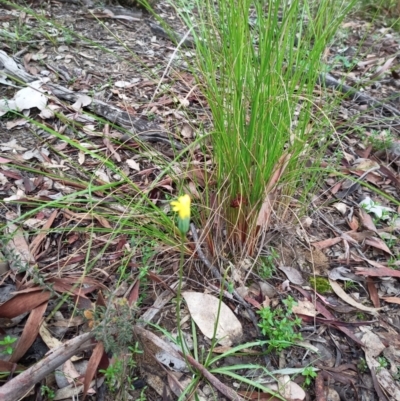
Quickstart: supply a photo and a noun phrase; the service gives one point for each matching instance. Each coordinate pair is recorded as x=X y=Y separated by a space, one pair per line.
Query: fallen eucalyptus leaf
x=208 y=311
x=348 y=299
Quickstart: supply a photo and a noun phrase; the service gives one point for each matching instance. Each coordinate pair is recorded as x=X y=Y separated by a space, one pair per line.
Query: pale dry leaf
x=339 y=273
x=187 y=131
x=172 y=362
x=82 y=101
x=30 y=97
x=102 y=175
x=306 y=222
x=288 y=389
x=348 y=299
x=366 y=164
x=341 y=207
x=51 y=341
x=383 y=68
x=292 y=274
x=6 y=106
x=132 y=164
x=123 y=84
x=11 y=145
x=19 y=122
x=70 y=373
x=81 y=157
x=19 y=247
x=19 y=195
x=208 y=311
x=37 y=154
x=184 y=101
x=285 y=286
x=305 y=308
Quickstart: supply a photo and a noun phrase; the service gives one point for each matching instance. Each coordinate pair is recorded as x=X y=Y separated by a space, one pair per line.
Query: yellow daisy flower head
x=182 y=206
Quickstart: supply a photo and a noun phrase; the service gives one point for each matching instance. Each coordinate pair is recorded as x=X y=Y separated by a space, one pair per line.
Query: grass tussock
x=258 y=65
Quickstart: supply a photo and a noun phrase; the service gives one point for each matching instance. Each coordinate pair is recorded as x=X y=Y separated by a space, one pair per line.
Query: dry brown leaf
x=367 y=221
x=353 y=223
x=379 y=244
x=43 y=233
x=348 y=299
x=379 y=272
x=23 y=303
x=29 y=333
x=373 y=292
x=392 y=300
x=382 y=69
x=358 y=236
x=19 y=246
x=326 y=243
x=292 y=274
x=94 y=361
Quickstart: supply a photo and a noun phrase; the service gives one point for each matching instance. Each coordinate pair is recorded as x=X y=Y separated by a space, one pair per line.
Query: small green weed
x=362 y=365
x=279 y=325
x=120 y=372
x=113 y=374
x=309 y=374
x=345 y=62
x=350 y=285
x=393 y=263
x=383 y=362
x=267 y=264
x=380 y=140
x=6 y=342
x=361 y=316
x=47 y=392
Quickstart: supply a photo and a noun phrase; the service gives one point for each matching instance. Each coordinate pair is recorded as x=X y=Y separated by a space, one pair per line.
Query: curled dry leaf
x=341 y=207
x=290 y=390
x=134 y=165
x=205 y=309
x=348 y=299
x=304 y=308
x=292 y=274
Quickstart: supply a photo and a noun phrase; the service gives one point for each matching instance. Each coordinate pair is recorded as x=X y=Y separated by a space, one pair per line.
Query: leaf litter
x=49 y=260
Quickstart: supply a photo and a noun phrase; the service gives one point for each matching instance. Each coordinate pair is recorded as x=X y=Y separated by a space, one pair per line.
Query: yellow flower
x=182 y=206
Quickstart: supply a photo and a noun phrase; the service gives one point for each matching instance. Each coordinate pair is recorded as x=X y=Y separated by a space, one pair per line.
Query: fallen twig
x=18 y=387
